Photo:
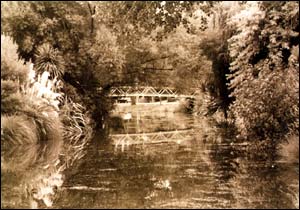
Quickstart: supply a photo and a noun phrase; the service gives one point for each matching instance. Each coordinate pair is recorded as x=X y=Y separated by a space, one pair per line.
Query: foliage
x=18 y=130
x=50 y=60
x=144 y=17
x=77 y=131
x=8 y=87
x=11 y=99
x=63 y=28
x=32 y=131
x=103 y=57
x=107 y=43
x=154 y=36
x=29 y=106
x=32 y=123
x=190 y=68
x=264 y=69
x=216 y=50
x=215 y=47
x=36 y=23
x=12 y=68
x=157 y=43
x=49 y=30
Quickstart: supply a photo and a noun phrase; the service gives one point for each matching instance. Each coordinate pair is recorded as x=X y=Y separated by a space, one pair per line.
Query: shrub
x=11 y=66
x=31 y=126
x=18 y=130
x=269 y=107
x=12 y=103
x=34 y=117
x=8 y=87
x=265 y=69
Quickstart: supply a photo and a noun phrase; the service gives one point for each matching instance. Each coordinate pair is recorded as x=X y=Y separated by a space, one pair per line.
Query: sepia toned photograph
x=150 y=104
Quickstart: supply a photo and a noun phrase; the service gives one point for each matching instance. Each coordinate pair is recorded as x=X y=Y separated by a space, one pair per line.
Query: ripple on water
x=192 y=174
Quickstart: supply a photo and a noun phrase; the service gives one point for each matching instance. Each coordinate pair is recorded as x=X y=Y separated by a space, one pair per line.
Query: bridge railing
x=125 y=140
x=149 y=91
x=157 y=137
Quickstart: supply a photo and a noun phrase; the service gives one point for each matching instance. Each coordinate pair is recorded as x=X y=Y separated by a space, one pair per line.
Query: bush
x=265 y=70
x=8 y=87
x=268 y=107
x=11 y=104
x=32 y=125
x=11 y=66
x=18 y=130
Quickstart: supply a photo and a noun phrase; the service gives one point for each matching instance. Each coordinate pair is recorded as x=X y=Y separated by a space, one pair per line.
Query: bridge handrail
x=149 y=91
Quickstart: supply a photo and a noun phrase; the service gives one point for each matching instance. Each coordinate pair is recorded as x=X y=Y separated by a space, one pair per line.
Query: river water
x=167 y=160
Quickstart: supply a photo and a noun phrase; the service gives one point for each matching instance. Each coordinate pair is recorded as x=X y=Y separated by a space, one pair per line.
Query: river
x=167 y=160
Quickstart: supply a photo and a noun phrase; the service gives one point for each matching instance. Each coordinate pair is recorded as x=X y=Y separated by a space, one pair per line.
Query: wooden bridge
x=128 y=91
x=176 y=136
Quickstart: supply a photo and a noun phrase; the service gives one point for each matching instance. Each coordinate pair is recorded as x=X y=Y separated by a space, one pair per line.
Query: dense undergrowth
x=41 y=128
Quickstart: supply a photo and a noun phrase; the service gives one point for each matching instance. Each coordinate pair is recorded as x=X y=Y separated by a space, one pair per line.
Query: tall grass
x=37 y=119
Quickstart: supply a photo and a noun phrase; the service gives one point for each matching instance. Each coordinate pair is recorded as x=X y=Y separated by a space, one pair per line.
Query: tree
x=142 y=28
x=45 y=31
x=264 y=69
x=215 y=47
x=50 y=60
x=109 y=43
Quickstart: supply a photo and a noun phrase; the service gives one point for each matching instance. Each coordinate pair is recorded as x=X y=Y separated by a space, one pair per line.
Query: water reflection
x=29 y=175
x=144 y=122
x=32 y=174
x=202 y=171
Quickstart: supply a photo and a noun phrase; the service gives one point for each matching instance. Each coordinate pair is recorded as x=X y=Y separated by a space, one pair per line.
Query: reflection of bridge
x=176 y=136
x=127 y=91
